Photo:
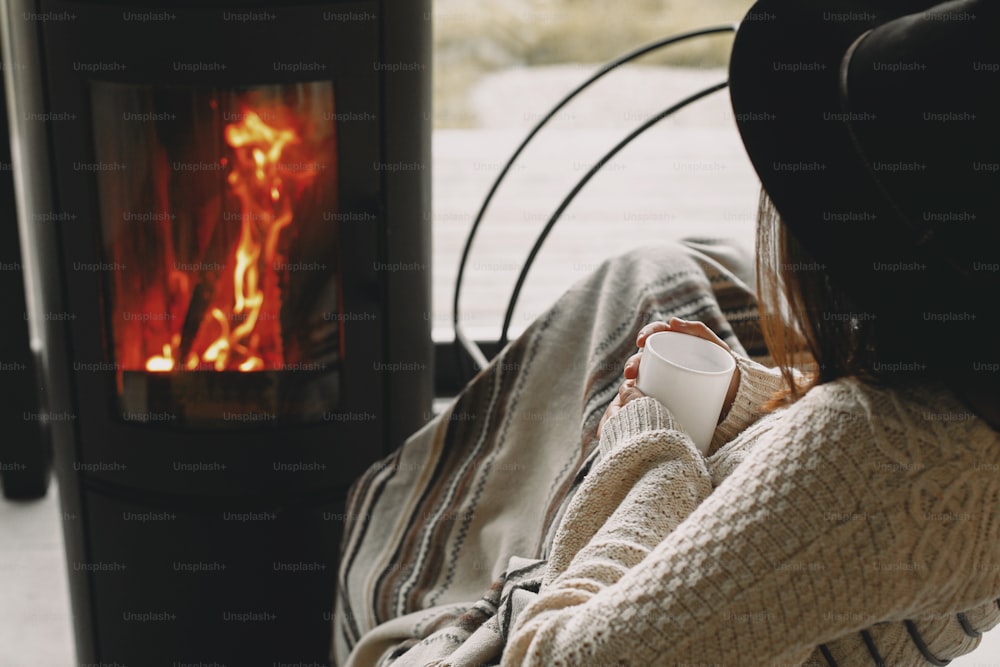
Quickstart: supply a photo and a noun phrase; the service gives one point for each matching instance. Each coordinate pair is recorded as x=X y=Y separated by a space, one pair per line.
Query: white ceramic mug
x=690 y=376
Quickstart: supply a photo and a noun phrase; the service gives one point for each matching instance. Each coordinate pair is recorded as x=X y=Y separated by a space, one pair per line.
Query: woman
x=848 y=514
x=854 y=515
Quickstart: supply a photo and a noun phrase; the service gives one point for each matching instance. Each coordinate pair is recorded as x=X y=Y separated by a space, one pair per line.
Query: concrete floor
x=687 y=177
x=35 y=629
x=35 y=625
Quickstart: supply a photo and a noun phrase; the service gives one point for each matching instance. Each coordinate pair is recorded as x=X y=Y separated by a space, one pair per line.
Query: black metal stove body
x=222 y=211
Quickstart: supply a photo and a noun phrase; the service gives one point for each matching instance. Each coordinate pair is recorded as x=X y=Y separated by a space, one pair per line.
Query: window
x=499 y=66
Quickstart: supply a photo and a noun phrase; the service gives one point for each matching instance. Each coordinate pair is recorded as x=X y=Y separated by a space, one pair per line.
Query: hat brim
x=784 y=82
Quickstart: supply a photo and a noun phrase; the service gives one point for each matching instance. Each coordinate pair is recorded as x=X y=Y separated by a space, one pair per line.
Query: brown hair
x=810 y=324
x=807 y=323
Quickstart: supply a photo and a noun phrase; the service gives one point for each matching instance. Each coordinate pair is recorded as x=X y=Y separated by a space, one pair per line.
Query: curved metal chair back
x=471 y=348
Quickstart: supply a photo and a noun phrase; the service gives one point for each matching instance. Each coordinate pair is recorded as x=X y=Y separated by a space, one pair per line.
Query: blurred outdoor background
x=475 y=39
x=499 y=65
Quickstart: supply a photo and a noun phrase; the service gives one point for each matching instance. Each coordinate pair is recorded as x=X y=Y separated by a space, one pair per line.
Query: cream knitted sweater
x=858 y=519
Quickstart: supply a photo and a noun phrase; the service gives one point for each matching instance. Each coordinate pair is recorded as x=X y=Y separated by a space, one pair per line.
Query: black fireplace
x=221 y=212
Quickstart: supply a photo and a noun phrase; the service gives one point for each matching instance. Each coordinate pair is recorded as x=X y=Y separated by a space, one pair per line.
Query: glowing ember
x=158 y=363
x=240 y=329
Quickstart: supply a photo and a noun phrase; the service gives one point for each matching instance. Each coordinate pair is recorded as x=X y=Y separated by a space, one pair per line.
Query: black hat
x=875 y=130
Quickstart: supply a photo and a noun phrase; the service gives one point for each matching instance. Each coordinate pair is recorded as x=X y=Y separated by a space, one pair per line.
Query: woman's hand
x=629 y=392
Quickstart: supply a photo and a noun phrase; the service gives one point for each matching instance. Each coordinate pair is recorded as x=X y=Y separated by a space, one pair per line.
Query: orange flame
x=244 y=341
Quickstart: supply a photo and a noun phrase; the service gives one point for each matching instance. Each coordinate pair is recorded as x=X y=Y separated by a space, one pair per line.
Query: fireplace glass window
x=218 y=215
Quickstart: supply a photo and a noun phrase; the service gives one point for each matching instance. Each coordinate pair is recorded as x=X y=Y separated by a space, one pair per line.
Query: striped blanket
x=446 y=537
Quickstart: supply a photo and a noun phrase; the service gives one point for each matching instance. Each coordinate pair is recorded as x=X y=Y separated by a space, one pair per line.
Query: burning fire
x=236 y=326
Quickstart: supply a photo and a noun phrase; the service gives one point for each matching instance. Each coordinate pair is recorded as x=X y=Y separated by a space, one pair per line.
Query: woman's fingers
x=632 y=366
x=696 y=329
x=681 y=326
x=649 y=330
x=626 y=392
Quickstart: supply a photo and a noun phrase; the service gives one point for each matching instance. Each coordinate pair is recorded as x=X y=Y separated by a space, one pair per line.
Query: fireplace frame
x=108 y=466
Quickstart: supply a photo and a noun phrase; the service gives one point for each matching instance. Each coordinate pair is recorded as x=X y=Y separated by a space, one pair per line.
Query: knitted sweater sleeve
x=758 y=385
x=815 y=535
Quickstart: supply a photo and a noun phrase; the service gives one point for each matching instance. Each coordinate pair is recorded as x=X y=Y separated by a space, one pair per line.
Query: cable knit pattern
x=856 y=509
